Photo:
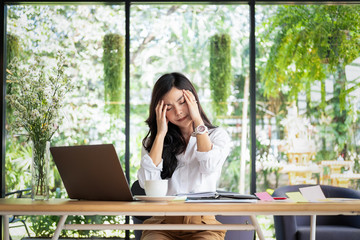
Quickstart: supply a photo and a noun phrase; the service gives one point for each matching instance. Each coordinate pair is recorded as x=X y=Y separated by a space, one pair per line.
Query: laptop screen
x=92 y=172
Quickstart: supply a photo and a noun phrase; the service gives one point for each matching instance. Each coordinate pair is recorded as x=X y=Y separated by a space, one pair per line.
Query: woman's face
x=177 y=111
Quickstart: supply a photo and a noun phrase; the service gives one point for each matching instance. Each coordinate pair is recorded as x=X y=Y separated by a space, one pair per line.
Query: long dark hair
x=174 y=142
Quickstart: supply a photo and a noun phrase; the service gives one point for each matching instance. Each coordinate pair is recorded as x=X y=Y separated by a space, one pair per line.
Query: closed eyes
x=181 y=103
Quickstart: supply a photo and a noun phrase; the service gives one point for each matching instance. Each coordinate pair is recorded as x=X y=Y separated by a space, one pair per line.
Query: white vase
x=40 y=170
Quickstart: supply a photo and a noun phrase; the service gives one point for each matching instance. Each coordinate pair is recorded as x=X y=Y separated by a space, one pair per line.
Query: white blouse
x=196 y=171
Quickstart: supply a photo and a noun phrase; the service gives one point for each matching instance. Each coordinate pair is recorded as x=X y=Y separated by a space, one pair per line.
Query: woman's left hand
x=193 y=107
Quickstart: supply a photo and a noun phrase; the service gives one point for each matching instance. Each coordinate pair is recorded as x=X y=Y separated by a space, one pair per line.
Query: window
x=307 y=82
x=307 y=95
x=177 y=38
x=81 y=32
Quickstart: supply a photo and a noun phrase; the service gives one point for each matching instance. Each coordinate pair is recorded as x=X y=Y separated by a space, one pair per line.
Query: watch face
x=201 y=129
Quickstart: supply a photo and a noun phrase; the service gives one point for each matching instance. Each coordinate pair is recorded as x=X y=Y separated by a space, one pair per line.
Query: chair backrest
x=329 y=191
x=20 y=193
x=136 y=189
x=284 y=225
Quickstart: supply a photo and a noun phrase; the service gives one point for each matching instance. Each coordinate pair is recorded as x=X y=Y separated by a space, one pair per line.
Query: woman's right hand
x=162 y=128
x=161 y=120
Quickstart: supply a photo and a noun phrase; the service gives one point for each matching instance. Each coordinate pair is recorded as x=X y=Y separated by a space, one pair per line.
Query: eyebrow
x=182 y=96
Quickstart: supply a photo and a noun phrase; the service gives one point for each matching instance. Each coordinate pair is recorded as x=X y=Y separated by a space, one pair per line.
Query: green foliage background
x=311 y=44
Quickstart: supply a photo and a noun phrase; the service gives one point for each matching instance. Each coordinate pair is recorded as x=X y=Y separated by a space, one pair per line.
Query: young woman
x=184 y=147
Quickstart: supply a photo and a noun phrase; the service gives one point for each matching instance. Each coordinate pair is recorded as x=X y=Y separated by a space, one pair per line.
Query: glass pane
x=308 y=95
x=91 y=40
x=176 y=38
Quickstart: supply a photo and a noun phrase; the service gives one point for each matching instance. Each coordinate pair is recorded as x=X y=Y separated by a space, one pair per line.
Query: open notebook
x=219 y=196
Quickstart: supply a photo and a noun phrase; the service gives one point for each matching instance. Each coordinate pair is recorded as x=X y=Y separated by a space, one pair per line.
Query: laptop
x=92 y=172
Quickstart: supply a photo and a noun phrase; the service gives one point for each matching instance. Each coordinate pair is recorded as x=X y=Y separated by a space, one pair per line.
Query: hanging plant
x=12 y=48
x=12 y=52
x=113 y=60
x=220 y=71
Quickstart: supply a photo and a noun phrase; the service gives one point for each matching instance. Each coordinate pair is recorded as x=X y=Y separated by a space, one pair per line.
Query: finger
x=189 y=96
x=164 y=109
x=158 y=105
x=186 y=96
x=158 y=109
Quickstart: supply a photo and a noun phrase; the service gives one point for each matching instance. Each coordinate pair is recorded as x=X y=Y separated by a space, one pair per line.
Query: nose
x=178 y=111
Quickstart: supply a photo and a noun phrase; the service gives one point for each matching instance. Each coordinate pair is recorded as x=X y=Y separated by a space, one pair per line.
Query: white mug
x=156 y=188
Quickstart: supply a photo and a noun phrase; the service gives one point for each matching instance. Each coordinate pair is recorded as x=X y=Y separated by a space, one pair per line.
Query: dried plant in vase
x=36 y=103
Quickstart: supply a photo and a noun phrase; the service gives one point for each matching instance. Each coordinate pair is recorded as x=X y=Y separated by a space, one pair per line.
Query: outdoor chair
x=327 y=227
x=230 y=235
x=15 y=220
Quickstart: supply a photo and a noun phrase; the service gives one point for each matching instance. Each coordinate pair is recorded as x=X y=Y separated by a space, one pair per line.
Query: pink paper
x=264 y=196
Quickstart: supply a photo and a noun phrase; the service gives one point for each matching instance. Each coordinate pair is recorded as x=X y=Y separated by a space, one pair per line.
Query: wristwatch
x=201 y=129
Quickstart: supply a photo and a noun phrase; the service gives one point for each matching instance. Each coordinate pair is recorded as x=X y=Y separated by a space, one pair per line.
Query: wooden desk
x=64 y=208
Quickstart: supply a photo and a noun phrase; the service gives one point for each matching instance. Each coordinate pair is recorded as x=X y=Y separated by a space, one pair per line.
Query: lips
x=182 y=119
